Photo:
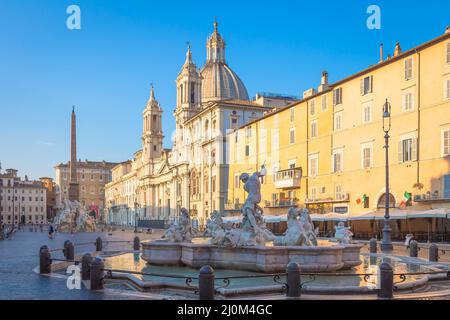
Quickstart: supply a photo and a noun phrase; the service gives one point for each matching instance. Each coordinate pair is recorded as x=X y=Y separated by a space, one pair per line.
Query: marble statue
x=300 y=230
x=74 y=218
x=253 y=230
x=180 y=230
x=343 y=233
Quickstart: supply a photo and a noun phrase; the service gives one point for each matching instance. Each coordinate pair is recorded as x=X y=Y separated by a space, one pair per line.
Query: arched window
x=382 y=201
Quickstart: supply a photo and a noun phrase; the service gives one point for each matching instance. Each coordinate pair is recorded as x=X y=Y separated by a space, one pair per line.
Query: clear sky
x=106 y=68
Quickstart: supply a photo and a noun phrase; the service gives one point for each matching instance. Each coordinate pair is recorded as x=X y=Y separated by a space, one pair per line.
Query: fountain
x=73 y=218
x=252 y=246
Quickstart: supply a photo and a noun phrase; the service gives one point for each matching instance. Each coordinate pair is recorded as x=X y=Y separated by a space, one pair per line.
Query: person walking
x=50 y=232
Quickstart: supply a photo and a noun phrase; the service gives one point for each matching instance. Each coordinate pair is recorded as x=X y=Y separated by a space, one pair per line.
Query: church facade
x=158 y=182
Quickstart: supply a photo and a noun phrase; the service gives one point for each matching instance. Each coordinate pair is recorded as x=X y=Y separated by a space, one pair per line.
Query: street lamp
x=136 y=207
x=386 y=243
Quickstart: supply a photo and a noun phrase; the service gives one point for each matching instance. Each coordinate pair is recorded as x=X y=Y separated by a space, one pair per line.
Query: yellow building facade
x=326 y=152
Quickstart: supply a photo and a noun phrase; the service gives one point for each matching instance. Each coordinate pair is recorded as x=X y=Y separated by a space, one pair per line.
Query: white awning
x=434 y=213
x=394 y=214
x=332 y=216
x=275 y=219
x=232 y=219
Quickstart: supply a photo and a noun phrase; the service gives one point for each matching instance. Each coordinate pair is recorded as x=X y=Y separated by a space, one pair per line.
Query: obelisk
x=74 y=193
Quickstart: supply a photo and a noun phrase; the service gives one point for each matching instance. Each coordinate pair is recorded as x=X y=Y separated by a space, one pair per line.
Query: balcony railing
x=281 y=203
x=430 y=197
x=289 y=178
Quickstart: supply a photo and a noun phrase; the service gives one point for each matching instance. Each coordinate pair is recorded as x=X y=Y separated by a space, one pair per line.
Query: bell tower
x=152 y=134
x=188 y=90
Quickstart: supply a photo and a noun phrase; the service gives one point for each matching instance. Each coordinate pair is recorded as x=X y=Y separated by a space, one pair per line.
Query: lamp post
x=136 y=207
x=386 y=243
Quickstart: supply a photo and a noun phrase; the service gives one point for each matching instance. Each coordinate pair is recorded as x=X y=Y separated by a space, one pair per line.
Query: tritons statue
x=300 y=230
x=74 y=218
x=180 y=230
x=342 y=233
x=253 y=230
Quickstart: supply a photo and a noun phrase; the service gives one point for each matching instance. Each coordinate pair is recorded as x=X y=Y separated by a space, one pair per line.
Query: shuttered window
x=337 y=96
x=446 y=143
x=446 y=89
x=366 y=85
x=448 y=52
x=407 y=150
x=408 y=69
x=408 y=101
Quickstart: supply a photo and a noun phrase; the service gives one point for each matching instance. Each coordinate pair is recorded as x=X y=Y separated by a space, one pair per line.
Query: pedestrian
x=50 y=232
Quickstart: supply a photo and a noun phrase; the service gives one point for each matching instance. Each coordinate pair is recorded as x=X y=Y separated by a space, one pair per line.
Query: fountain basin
x=256 y=258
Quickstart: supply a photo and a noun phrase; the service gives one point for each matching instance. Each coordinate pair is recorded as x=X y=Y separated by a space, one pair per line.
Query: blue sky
x=105 y=69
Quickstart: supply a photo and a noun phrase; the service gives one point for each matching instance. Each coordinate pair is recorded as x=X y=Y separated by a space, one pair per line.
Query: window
x=366 y=85
x=408 y=69
x=236 y=181
x=446 y=142
x=324 y=102
x=313 y=165
x=247 y=150
x=192 y=92
x=337 y=96
x=337 y=161
x=213 y=184
x=249 y=132
x=338 y=192
x=338 y=121
x=234 y=123
x=292 y=136
x=312 y=107
x=313 y=193
x=447 y=89
x=367 y=112
x=408 y=101
x=366 y=156
x=314 y=129
x=407 y=150
x=292 y=114
x=447 y=52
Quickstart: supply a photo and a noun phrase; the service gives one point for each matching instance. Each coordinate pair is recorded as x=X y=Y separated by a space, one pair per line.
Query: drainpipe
x=418 y=117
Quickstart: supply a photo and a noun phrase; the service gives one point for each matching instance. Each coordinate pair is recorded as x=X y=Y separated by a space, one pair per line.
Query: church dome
x=219 y=82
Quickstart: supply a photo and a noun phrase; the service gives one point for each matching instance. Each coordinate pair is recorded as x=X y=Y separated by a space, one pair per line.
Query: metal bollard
x=86 y=261
x=65 y=248
x=206 y=283
x=433 y=253
x=70 y=251
x=98 y=244
x=97 y=273
x=136 y=244
x=45 y=260
x=293 y=289
x=413 y=249
x=386 y=281
x=373 y=245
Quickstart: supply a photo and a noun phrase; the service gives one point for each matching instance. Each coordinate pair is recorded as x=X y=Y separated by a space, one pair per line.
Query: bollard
x=136 y=244
x=70 y=251
x=433 y=253
x=65 y=248
x=45 y=260
x=98 y=244
x=386 y=289
x=86 y=261
x=413 y=248
x=206 y=283
x=373 y=245
x=293 y=280
x=97 y=273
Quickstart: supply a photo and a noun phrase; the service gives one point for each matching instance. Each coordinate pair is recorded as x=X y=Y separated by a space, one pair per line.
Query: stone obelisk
x=74 y=193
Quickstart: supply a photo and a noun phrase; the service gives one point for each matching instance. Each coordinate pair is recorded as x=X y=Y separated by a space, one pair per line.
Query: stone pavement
x=19 y=256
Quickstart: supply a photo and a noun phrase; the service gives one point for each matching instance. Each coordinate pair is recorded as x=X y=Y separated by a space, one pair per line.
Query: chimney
x=397 y=49
x=323 y=82
x=381 y=53
x=447 y=30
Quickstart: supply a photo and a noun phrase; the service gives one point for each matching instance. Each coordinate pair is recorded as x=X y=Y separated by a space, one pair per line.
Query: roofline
x=353 y=76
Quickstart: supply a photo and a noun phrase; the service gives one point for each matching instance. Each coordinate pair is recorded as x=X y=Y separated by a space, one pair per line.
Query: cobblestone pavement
x=19 y=256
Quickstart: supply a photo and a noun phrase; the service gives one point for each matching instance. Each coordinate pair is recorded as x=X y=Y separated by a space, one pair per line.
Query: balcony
x=290 y=178
x=281 y=203
x=344 y=197
x=436 y=196
x=233 y=206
